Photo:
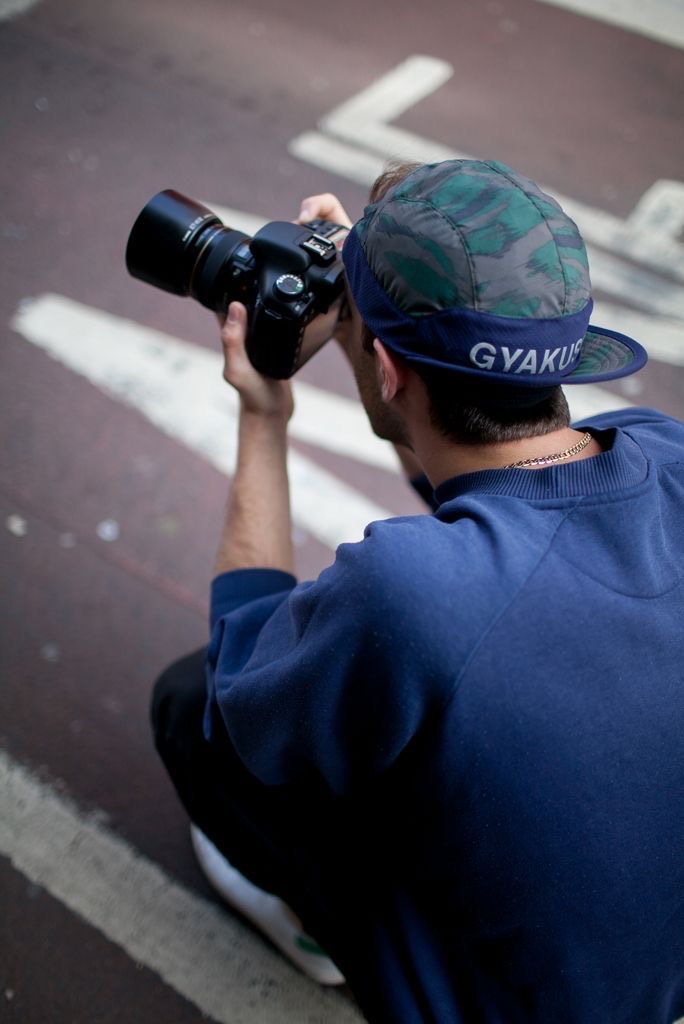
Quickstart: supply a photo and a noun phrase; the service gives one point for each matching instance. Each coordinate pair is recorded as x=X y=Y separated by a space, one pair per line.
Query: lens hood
x=165 y=240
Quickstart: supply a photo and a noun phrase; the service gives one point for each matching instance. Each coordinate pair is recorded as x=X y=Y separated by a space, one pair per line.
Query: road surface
x=118 y=433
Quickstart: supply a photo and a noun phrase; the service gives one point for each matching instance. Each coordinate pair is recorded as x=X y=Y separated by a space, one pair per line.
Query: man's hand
x=324 y=207
x=258 y=530
x=259 y=395
x=328 y=207
x=348 y=332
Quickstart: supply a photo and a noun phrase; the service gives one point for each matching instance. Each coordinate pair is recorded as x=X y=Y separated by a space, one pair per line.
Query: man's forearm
x=258 y=526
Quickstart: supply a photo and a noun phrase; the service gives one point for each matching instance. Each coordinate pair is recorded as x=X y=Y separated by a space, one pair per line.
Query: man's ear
x=391 y=371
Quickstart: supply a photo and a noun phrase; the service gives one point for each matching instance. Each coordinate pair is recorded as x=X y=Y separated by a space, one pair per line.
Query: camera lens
x=180 y=246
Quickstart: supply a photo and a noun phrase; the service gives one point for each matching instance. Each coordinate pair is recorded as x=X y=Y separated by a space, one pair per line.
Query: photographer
x=456 y=755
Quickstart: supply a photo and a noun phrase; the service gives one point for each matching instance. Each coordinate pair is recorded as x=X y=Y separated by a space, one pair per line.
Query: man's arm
x=258 y=527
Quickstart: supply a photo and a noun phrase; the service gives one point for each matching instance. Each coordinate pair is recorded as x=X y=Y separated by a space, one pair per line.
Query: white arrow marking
x=391 y=95
x=179 y=388
x=358 y=142
x=202 y=952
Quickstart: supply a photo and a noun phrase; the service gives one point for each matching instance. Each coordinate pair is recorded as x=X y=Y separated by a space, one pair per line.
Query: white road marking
x=634 y=238
x=623 y=280
x=662 y=339
x=356 y=141
x=198 y=949
x=337 y=157
x=639 y=238
x=17 y=525
x=362 y=121
x=179 y=388
x=392 y=94
x=658 y=19
x=656 y=221
x=339 y=425
x=12 y=8
x=587 y=400
x=660 y=210
x=237 y=219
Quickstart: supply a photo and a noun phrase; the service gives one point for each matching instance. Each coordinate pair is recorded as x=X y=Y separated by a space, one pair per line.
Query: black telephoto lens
x=180 y=246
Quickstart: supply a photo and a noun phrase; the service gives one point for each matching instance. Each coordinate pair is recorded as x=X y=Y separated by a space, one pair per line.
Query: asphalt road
x=116 y=443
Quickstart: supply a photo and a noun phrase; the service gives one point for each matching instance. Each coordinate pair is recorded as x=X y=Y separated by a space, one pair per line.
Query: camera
x=285 y=275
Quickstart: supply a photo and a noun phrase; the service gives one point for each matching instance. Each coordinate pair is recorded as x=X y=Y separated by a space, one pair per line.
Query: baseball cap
x=468 y=266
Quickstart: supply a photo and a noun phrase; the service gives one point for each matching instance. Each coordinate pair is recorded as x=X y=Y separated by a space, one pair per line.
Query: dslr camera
x=285 y=275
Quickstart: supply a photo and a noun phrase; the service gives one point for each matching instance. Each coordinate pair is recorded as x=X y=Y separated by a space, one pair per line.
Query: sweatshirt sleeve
x=311 y=681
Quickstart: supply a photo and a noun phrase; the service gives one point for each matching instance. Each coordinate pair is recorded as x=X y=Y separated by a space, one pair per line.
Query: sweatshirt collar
x=622 y=464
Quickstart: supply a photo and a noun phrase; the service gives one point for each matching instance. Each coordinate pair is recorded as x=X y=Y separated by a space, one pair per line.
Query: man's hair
x=473 y=411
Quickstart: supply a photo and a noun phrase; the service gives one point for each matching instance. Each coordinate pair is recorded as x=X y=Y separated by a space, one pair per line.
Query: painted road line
x=339 y=425
x=658 y=217
x=337 y=157
x=656 y=220
x=363 y=119
x=179 y=388
x=322 y=418
x=237 y=219
x=198 y=949
x=586 y=400
x=660 y=210
x=661 y=206
x=635 y=238
x=202 y=952
x=360 y=141
x=392 y=94
x=658 y=19
x=662 y=339
x=13 y=8
x=643 y=288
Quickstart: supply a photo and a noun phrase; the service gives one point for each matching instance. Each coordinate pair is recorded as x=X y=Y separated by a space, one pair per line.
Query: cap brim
x=605 y=356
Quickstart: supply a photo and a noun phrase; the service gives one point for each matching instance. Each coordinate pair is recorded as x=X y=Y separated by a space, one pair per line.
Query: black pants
x=265 y=831
x=296 y=842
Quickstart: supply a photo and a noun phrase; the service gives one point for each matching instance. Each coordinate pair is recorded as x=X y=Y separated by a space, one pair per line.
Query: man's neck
x=443 y=459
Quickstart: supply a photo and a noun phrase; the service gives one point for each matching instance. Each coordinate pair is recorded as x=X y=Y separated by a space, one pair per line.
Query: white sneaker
x=269 y=913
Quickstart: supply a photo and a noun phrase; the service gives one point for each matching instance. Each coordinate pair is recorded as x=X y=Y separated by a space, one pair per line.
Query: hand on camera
x=259 y=395
x=328 y=207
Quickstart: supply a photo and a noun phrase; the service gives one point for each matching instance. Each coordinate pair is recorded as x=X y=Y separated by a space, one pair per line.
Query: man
x=458 y=754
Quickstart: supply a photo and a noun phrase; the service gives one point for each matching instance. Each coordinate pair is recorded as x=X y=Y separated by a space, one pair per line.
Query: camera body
x=285 y=275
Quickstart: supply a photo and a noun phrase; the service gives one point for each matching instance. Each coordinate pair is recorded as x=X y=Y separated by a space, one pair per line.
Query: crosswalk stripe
x=198 y=949
x=179 y=388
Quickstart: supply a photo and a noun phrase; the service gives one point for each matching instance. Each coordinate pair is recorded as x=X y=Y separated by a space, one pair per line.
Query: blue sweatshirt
x=498 y=690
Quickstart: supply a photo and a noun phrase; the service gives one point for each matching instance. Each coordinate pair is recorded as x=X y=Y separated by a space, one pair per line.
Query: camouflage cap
x=467 y=265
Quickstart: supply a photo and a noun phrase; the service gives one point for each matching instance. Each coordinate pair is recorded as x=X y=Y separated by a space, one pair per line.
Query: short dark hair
x=473 y=411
